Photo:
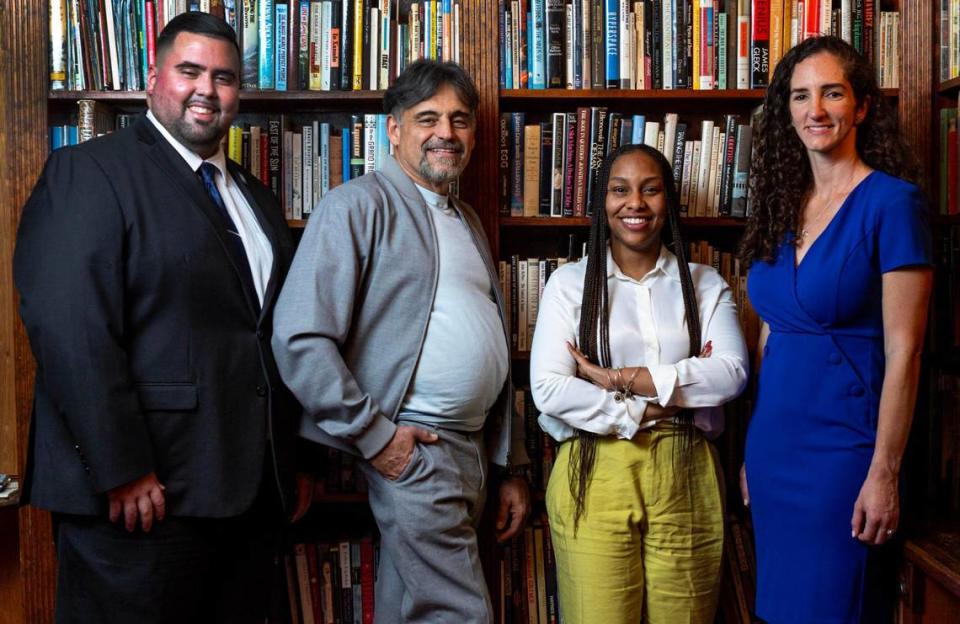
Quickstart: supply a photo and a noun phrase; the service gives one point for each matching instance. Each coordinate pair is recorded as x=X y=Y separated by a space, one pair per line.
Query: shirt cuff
x=375 y=437
x=665 y=381
x=629 y=425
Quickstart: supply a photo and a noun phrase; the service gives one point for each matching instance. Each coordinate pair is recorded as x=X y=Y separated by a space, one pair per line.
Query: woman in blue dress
x=839 y=253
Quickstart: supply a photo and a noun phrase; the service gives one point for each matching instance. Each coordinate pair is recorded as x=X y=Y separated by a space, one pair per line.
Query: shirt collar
x=193 y=159
x=666 y=265
x=434 y=200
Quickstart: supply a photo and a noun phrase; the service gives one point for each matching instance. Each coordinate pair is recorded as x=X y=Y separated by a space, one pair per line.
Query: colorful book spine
x=282 y=46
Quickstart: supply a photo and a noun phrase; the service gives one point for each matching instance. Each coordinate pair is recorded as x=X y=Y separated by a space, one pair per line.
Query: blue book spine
x=345 y=152
x=382 y=142
x=517 y=121
x=324 y=158
x=529 y=59
x=612 y=34
x=538 y=49
x=636 y=133
x=508 y=58
x=142 y=39
x=427 y=31
x=266 y=44
x=502 y=40
x=283 y=47
x=230 y=14
x=56 y=137
x=72 y=135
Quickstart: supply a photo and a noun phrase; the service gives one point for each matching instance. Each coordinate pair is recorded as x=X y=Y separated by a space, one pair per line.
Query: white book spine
x=307 y=164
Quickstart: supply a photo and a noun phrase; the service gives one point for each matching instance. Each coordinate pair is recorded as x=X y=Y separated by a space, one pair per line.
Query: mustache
x=439 y=144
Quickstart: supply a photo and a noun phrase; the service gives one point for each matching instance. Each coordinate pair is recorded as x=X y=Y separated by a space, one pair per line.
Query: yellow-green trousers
x=649 y=543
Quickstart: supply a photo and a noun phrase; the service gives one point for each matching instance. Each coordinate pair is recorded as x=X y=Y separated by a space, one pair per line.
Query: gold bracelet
x=613 y=386
x=628 y=391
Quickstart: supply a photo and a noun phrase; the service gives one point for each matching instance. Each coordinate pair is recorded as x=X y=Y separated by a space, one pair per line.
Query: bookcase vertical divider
x=917 y=82
x=27 y=565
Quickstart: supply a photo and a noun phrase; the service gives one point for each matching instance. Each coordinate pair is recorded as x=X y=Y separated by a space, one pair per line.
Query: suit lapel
x=257 y=205
x=178 y=172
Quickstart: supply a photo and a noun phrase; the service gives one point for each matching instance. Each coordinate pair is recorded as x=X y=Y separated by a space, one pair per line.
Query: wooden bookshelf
x=27 y=565
x=247 y=96
x=593 y=96
x=949 y=88
x=567 y=222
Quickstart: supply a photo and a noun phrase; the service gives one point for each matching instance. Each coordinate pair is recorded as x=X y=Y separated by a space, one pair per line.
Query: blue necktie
x=208 y=172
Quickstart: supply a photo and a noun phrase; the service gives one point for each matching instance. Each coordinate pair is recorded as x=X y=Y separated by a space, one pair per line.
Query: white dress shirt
x=255 y=242
x=647 y=328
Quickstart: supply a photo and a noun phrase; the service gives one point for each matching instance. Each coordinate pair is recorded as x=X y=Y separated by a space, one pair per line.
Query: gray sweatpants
x=429 y=560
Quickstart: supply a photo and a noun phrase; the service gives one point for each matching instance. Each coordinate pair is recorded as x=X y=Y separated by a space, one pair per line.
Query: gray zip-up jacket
x=351 y=319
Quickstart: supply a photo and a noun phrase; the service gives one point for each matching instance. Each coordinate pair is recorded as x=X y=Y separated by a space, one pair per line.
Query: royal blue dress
x=812 y=434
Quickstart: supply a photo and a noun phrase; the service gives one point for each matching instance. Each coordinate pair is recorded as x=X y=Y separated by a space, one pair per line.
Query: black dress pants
x=185 y=570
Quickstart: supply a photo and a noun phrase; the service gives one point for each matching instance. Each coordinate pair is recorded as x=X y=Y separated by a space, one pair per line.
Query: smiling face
x=636 y=205
x=194 y=90
x=433 y=139
x=823 y=109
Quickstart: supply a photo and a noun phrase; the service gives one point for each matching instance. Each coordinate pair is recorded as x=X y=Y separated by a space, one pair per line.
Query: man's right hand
x=394 y=457
x=141 y=498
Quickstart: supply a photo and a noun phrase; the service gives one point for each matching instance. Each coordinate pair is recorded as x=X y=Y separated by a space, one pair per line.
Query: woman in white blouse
x=633 y=355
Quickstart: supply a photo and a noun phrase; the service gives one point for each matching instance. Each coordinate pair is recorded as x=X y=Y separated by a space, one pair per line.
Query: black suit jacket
x=151 y=354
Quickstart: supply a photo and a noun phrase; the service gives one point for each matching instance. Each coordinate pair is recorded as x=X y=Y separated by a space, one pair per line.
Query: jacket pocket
x=167 y=397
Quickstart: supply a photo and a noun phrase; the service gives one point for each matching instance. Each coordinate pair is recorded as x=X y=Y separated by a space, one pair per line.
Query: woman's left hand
x=586 y=369
x=876 y=513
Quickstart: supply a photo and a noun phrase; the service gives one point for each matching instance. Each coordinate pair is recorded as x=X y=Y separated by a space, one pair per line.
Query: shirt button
x=856 y=390
x=261 y=391
x=834 y=358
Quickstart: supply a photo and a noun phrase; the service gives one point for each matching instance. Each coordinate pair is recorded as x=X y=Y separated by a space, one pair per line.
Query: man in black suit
x=148 y=266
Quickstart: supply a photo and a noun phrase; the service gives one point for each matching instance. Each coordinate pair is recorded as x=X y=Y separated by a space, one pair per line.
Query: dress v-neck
x=833 y=219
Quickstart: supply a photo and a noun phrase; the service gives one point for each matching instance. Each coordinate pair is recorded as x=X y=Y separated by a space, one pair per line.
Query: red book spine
x=366 y=579
x=759 y=43
x=264 y=173
x=149 y=14
x=811 y=19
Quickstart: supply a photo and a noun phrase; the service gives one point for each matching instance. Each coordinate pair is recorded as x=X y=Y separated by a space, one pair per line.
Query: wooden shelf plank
x=630 y=94
x=937 y=553
x=700 y=222
x=251 y=96
x=950 y=87
x=642 y=94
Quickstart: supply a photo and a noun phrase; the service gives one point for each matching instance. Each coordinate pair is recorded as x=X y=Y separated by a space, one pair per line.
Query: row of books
x=549 y=169
x=523 y=280
x=949 y=39
x=92 y=120
x=944 y=444
x=540 y=447
x=678 y=44
x=316 y=45
x=949 y=172
x=337 y=473
x=739 y=574
x=332 y=582
x=944 y=334
x=301 y=159
x=527 y=577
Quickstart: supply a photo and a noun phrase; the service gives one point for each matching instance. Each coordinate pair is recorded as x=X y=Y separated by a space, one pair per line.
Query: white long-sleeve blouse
x=647 y=328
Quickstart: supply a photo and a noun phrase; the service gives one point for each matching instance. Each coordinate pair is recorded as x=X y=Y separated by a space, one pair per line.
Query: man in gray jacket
x=390 y=330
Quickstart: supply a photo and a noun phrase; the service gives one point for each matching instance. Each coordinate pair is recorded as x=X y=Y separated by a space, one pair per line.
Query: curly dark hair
x=780 y=176
x=594 y=330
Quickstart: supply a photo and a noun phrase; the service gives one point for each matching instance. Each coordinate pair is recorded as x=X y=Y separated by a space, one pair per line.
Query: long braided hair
x=594 y=331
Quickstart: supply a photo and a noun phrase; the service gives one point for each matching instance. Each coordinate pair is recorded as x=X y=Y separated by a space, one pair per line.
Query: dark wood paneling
x=916 y=102
x=23 y=115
